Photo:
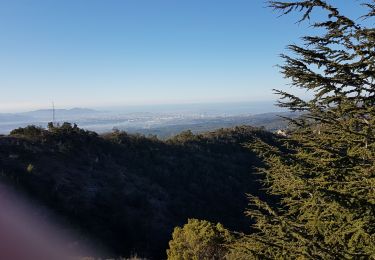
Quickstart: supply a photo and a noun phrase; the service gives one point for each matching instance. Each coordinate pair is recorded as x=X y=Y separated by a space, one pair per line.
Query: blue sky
x=98 y=53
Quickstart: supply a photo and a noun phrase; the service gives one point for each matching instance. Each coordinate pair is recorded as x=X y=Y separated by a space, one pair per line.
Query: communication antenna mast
x=53 y=112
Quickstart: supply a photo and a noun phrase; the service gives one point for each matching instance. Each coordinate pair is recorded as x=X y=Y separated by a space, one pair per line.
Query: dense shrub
x=31 y=131
x=199 y=240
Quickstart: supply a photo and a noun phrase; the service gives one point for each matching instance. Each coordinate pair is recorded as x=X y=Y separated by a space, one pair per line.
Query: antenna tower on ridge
x=53 y=112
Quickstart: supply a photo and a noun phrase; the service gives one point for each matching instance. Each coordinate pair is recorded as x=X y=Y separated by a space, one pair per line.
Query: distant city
x=160 y=120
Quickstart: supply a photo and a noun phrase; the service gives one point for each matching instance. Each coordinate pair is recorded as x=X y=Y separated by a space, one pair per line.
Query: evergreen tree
x=325 y=175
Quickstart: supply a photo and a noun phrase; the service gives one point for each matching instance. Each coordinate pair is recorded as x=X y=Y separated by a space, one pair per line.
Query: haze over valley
x=161 y=120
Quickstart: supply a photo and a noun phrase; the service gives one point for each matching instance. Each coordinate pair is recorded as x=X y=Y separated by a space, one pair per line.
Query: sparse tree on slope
x=326 y=180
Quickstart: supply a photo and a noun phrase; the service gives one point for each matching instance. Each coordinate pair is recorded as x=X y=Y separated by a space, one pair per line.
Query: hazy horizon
x=264 y=106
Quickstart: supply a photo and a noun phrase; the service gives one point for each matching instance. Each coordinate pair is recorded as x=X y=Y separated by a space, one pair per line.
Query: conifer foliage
x=325 y=175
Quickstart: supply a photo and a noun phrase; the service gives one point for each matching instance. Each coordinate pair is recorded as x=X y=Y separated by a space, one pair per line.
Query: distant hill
x=128 y=192
x=46 y=114
x=41 y=117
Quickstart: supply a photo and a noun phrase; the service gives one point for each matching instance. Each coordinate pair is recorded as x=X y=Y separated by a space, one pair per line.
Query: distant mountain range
x=46 y=114
x=62 y=113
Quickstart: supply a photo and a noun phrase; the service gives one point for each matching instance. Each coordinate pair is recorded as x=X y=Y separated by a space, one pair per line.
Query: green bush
x=199 y=240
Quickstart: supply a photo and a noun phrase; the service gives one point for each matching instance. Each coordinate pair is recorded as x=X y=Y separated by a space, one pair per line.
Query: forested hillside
x=128 y=192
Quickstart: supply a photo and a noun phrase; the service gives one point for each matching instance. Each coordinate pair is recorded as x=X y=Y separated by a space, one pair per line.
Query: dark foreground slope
x=129 y=191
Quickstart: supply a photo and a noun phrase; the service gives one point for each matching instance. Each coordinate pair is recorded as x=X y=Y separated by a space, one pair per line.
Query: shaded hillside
x=129 y=191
